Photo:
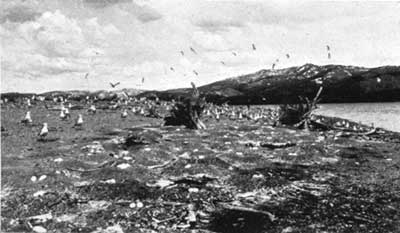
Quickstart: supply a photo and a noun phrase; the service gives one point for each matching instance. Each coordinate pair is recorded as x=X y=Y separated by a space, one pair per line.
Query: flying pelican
x=222 y=62
x=195 y=72
x=172 y=69
x=234 y=54
x=27 y=119
x=328 y=48
x=273 y=66
x=44 y=131
x=142 y=79
x=287 y=56
x=114 y=85
x=192 y=49
x=183 y=54
x=329 y=55
x=254 y=46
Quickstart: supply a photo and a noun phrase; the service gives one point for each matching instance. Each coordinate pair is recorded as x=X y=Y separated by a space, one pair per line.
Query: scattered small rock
x=39 y=229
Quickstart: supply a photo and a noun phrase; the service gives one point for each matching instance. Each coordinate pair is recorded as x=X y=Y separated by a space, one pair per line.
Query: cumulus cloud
x=57 y=42
x=104 y=3
x=18 y=13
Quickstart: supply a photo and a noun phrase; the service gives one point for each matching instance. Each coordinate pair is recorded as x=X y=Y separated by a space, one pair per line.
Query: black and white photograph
x=200 y=116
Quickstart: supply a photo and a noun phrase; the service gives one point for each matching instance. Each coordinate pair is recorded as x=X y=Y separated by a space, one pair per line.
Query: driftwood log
x=299 y=115
x=188 y=112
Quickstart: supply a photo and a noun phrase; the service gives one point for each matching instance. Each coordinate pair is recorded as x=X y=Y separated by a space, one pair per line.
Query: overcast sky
x=52 y=44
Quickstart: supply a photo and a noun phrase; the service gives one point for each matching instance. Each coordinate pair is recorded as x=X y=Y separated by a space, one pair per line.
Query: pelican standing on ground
x=79 y=121
x=92 y=109
x=27 y=119
x=67 y=114
x=62 y=114
x=44 y=131
x=124 y=114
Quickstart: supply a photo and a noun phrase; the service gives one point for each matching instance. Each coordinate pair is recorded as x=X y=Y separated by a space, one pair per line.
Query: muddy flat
x=227 y=178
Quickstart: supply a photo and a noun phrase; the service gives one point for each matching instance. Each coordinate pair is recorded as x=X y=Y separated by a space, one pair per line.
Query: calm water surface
x=385 y=115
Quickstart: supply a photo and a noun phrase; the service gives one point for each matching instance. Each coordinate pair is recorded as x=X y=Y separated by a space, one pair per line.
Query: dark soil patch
x=126 y=190
x=276 y=174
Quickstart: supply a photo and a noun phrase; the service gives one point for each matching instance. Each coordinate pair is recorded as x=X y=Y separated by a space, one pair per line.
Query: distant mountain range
x=340 y=84
x=79 y=95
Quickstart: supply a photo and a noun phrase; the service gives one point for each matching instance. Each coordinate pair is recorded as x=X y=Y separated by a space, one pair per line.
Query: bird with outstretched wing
x=192 y=49
x=113 y=85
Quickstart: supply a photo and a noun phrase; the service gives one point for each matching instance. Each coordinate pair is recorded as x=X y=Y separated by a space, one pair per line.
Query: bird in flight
x=328 y=48
x=234 y=53
x=183 y=54
x=113 y=85
x=222 y=62
x=86 y=75
x=192 y=49
x=287 y=56
x=195 y=72
x=142 y=79
x=329 y=55
x=254 y=46
x=273 y=66
x=172 y=69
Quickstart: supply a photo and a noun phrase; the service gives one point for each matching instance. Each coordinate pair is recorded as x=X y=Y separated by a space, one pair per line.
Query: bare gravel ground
x=222 y=179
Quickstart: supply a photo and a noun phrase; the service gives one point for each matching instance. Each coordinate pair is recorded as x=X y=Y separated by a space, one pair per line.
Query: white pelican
x=44 y=131
x=62 y=114
x=92 y=109
x=124 y=114
x=79 y=121
x=67 y=114
x=27 y=118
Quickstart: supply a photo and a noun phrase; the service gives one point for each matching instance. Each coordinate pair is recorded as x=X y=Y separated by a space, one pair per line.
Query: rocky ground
x=135 y=175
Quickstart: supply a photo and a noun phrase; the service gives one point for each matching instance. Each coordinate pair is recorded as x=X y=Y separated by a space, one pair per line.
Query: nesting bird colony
x=114 y=166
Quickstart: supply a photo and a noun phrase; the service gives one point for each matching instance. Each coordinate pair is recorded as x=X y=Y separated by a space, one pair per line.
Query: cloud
x=104 y=3
x=53 y=44
x=18 y=14
x=126 y=40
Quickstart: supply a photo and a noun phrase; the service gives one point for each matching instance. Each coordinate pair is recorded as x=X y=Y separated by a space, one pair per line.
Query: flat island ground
x=133 y=174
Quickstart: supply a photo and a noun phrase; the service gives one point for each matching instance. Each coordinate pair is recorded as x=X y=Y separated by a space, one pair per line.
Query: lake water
x=384 y=115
